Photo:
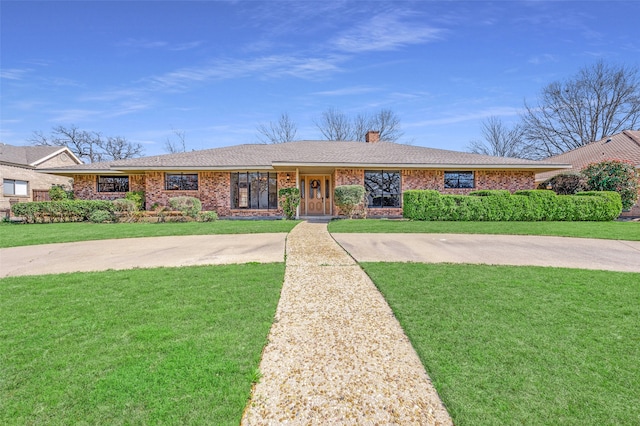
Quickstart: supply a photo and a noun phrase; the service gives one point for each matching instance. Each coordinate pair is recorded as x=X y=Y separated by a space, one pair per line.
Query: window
x=15 y=187
x=459 y=180
x=181 y=182
x=251 y=190
x=383 y=188
x=113 y=183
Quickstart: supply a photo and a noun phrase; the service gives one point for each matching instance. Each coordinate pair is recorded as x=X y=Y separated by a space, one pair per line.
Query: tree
x=613 y=175
x=337 y=126
x=599 y=101
x=500 y=140
x=173 y=146
x=284 y=130
x=89 y=146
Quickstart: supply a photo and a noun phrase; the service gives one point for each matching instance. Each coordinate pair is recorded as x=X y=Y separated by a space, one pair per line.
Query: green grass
x=605 y=230
x=147 y=346
x=522 y=345
x=13 y=235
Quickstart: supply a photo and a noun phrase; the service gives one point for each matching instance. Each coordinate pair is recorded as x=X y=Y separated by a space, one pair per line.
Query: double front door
x=315 y=195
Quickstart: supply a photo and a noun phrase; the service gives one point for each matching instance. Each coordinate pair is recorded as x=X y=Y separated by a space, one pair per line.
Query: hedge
x=500 y=205
x=60 y=211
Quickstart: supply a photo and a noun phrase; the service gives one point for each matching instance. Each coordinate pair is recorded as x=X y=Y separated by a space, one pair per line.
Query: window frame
x=246 y=193
x=114 y=187
x=13 y=183
x=181 y=181
x=384 y=182
x=460 y=181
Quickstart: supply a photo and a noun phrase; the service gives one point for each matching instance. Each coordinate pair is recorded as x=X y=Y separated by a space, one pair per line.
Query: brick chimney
x=372 y=136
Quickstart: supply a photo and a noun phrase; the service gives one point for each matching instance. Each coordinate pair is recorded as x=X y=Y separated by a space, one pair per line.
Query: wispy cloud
x=543 y=59
x=454 y=118
x=158 y=44
x=14 y=73
x=347 y=91
x=385 y=32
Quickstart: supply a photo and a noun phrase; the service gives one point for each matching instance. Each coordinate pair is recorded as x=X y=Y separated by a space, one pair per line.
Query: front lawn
x=605 y=230
x=13 y=235
x=147 y=346
x=522 y=345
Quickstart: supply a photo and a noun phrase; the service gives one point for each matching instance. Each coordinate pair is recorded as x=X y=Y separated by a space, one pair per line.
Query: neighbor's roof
x=31 y=156
x=621 y=146
x=314 y=154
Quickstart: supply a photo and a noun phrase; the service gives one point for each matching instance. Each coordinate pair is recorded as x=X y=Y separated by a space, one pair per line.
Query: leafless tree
x=337 y=126
x=500 y=140
x=88 y=146
x=283 y=130
x=173 y=146
x=599 y=101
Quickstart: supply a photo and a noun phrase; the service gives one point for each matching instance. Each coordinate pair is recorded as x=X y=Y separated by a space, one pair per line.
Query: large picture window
x=459 y=180
x=181 y=182
x=113 y=183
x=15 y=187
x=383 y=188
x=253 y=190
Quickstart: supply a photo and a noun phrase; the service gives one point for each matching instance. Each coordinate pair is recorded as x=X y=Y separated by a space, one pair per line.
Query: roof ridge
x=631 y=136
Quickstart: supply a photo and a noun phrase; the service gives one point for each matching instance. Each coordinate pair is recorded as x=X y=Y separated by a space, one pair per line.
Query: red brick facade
x=215 y=193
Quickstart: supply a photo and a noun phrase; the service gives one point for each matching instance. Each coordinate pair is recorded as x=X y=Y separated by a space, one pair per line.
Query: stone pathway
x=336 y=354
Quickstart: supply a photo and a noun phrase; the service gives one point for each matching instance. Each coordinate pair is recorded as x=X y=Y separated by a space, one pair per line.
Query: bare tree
x=599 y=101
x=337 y=126
x=283 y=130
x=500 y=140
x=88 y=146
x=173 y=146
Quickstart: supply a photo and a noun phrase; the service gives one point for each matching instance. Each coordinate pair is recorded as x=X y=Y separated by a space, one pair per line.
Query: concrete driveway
x=142 y=253
x=566 y=252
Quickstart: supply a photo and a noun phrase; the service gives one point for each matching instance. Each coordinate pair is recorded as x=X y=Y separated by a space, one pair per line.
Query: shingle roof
x=316 y=153
x=26 y=155
x=621 y=146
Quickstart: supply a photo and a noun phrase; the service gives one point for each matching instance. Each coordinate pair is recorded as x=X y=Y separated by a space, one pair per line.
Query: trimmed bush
x=101 y=216
x=289 y=201
x=532 y=205
x=349 y=198
x=58 y=193
x=209 y=216
x=60 y=211
x=189 y=206
x=564 y=183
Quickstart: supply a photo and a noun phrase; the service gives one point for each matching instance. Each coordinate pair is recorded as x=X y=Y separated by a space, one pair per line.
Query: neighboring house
x=20 y=176
x=623 y=146
x=244 y=180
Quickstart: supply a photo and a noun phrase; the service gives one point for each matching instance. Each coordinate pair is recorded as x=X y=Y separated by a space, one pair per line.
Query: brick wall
x=85 y=187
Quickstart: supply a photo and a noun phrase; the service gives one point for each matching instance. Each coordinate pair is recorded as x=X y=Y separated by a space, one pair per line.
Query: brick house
x=243 y=180
x=20 y=174
x=624 y=146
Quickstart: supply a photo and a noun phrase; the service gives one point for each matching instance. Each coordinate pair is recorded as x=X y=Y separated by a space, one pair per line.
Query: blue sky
x=215 y=70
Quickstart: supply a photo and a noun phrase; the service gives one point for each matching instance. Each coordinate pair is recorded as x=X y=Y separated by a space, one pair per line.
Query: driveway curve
x=146 y=252
x=565 y=252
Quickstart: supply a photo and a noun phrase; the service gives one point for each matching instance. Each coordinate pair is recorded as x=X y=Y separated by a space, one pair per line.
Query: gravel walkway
x=336 y=354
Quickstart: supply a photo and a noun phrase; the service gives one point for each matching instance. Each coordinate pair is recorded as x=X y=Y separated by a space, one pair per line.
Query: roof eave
x=448 y=166
x=191 y=168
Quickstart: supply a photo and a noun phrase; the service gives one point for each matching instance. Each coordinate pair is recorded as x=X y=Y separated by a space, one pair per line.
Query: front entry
x=315 y=195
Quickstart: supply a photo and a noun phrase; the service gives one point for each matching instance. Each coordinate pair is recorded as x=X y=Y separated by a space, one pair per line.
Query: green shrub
x=349 y=198
x=613 y=175
x=209 y=216
x=101 y=216
x=60 y=211
x=137 y=197
x=531 y=205
x=58 y=193
x=289 y=201
x=189 y=206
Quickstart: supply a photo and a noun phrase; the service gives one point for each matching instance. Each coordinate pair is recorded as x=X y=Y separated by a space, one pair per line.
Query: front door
x=315 y=195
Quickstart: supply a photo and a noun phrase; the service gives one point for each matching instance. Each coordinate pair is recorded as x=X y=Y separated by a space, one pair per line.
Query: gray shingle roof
x=621 y=146
x=26 y=155
x=316 y=153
